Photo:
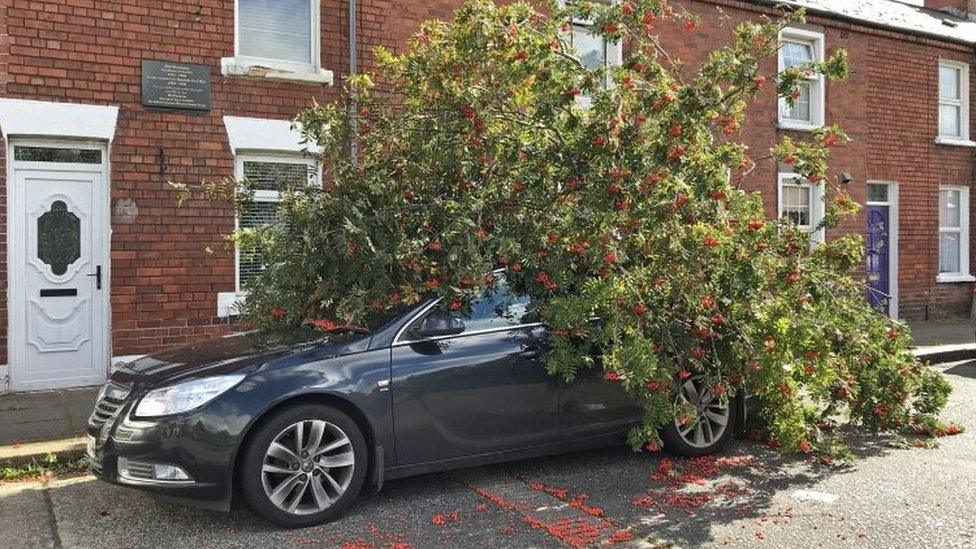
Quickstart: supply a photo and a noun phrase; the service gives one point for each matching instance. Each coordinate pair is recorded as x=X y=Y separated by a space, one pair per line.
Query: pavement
x=749 y=497
x=45 y=415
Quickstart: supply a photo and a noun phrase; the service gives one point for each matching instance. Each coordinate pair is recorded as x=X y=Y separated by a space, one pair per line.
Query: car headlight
x=185 y=396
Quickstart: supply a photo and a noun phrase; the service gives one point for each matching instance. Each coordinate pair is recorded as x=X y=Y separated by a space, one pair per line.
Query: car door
x=590 y=405
x=481 y=391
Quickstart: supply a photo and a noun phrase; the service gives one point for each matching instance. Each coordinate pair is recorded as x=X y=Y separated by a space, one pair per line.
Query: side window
x=498 y=308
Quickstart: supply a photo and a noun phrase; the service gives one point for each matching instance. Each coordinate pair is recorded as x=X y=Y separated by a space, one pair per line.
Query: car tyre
x=304 y=465
x=716 y=425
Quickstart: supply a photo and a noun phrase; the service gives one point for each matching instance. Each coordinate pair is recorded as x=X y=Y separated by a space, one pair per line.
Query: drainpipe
x=353 y=108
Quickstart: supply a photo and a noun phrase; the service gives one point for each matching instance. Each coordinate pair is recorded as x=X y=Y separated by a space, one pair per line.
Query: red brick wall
x=163 y=293
x=4 y=77
x=90 y=51
x=889 y=107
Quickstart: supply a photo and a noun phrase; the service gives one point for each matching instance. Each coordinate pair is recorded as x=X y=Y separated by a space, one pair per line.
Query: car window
x=497 y=308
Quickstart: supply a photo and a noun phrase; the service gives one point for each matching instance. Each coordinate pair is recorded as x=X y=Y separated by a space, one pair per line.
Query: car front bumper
x=133 y=452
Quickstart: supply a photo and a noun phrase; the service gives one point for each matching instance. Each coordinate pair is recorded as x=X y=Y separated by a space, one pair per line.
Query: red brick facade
x=162 y=293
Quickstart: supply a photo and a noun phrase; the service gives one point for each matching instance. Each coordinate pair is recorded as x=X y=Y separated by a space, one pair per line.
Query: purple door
x=878 y=239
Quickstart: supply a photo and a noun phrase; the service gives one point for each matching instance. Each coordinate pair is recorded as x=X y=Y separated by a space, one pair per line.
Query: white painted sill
x=948 y=278
x=797 y=126
x=231 y=66
x=956 y=142
x=227 y=303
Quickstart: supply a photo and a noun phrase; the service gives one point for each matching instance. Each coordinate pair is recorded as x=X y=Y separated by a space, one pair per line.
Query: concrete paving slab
x=45 y=415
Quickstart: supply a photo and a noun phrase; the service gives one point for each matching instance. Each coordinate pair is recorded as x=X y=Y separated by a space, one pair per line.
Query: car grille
x=109 y=401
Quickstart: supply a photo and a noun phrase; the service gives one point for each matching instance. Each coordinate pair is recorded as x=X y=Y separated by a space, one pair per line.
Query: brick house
x=103 y=102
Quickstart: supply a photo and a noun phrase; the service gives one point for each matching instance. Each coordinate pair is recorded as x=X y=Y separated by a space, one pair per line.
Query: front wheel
x=712 y=427
x=304 y=465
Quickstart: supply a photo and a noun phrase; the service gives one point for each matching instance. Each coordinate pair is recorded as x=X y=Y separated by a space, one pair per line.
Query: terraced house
x=103 y=102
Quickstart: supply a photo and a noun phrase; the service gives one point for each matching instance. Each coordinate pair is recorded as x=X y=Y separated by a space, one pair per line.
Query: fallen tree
x=607 y=192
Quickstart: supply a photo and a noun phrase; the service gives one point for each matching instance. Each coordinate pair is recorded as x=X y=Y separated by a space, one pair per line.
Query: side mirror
x=439 y=323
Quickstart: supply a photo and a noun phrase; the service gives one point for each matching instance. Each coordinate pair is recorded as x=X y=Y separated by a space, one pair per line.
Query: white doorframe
x=16 y=292
x=892 y=204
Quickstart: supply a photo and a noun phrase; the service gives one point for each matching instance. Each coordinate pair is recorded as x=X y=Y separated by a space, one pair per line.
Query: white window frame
x=278 y=69
x=614 y=50
x=227 y=301
x=818 y=96
x=817 y=207
x=964 y=274
x=964 y=139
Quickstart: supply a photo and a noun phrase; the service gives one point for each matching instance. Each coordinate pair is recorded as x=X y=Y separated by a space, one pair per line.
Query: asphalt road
x=751 y=496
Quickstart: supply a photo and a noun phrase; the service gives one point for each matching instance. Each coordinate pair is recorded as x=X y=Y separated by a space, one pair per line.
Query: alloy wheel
x=308 y=467
x=712 y=410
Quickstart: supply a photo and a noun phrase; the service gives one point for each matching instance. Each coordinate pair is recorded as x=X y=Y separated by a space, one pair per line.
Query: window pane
x=949 y=119
x=949 y=208
x=51 y=154
x=498 y=308
x=276 y=29
x=257 y=214
x=276 y=176
x=800 y=110
x=949 y=253
x=949 y=83
x=796 y=205
x=794 y=54
x=877 y=193
x=591 y=49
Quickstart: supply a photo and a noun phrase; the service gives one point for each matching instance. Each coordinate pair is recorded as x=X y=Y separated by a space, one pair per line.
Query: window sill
x=798 y=126
x=948 y=278
x=230 y=66
x=227 y=303
x=955 y=142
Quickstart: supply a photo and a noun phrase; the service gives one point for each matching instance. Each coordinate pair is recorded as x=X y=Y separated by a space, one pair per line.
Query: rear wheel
x=304 y=466
x=713 y=426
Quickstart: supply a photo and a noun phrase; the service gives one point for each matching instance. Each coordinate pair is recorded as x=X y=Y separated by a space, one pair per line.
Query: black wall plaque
x=175 y=85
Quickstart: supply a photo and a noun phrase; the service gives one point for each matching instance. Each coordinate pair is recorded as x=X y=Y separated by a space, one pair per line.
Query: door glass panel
x=877 y=193
x=52 y=154
x=58 y=238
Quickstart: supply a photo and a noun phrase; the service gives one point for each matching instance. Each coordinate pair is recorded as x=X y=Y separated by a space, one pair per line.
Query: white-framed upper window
x=801 y=203
x=278 y=34
x=268 y=175
x=954 y=103
x=798 y=47
x=954 y=234
x=593 y=51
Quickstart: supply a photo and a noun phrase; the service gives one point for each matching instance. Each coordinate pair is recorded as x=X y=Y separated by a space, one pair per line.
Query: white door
x=58 y=270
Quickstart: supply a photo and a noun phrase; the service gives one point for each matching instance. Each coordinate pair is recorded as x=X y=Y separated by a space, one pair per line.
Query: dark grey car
x=300 y=424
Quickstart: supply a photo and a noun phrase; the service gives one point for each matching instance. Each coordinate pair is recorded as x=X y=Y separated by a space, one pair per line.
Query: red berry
x=627 y=8
x=675 y=130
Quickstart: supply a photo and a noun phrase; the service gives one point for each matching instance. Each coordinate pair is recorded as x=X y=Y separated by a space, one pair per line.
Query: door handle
x=98 y=277
x=530 y=350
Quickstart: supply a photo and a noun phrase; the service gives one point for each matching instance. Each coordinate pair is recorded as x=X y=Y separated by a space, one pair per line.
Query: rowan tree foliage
x=609 y=193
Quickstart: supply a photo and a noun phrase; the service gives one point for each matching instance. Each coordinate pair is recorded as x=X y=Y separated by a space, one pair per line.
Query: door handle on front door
x=98 y=277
